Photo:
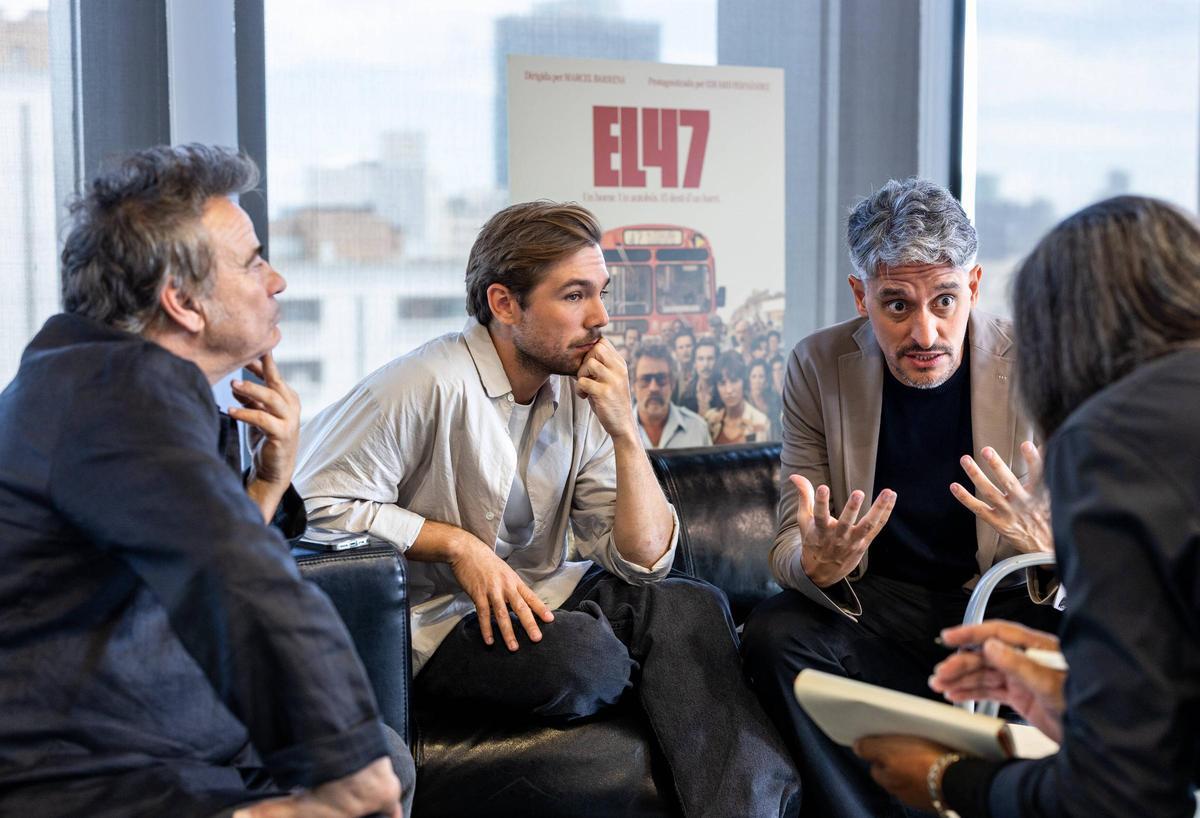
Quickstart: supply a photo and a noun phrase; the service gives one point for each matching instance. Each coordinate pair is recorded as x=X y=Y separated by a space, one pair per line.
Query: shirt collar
x=491 y=370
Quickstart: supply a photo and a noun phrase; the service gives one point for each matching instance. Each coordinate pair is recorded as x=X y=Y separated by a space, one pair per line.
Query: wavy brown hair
x=1111 y=287
x=518 y=245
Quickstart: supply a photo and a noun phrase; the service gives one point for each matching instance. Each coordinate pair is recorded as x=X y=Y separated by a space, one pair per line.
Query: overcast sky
x=338 y=74
x=1070 y=90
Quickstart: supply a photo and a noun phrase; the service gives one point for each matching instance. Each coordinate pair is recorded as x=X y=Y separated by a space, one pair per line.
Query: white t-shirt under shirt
x=516 y=530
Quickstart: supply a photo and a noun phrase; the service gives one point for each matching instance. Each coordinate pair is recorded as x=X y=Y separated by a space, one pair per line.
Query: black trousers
x=673 y=644
x=891 y=644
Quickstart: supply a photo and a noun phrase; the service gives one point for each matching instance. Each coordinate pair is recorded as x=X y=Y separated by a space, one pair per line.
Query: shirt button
x=511 y=398
x=490 y=516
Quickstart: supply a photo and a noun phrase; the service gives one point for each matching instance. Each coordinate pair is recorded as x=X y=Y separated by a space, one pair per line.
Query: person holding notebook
x=1108 y=331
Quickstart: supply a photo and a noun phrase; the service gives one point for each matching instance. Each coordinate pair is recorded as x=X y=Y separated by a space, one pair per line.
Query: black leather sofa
x=474 y=762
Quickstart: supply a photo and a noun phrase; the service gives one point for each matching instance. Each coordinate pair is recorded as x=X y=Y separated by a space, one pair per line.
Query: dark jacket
x=157 y=644
x=1124 y=480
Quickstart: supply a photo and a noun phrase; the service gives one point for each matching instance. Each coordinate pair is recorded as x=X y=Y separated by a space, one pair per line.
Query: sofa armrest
x=726 y=498
x=369 y=588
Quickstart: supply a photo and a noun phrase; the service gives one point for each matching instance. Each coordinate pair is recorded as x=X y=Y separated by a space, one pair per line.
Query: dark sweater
x=930 y=538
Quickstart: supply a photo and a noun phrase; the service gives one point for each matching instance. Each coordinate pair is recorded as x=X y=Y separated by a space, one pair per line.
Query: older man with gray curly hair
x=888 y=412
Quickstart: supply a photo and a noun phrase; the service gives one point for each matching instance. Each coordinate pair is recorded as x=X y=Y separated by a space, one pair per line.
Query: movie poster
x=684 y=167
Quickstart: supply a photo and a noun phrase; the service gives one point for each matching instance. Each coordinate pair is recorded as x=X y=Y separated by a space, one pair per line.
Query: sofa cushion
x=472 y=761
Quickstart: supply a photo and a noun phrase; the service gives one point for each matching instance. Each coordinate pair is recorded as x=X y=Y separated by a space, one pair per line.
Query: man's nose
x=924 y=329
x=277 y=283
x=598 y=315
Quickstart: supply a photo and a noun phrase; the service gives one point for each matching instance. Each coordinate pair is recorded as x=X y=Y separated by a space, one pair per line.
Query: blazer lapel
x=992 y=419
x=861 y=377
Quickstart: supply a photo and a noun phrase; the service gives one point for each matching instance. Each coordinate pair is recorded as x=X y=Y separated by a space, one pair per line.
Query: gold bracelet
x=933 y=783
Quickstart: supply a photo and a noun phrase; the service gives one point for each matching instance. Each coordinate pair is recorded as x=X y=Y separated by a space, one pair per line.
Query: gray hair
x=909 y=222
x=136 y=227
x=656 y=349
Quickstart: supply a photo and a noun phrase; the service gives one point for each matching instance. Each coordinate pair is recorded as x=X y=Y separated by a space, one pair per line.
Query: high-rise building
x=565 y=28
x=28 y=267
x=395 y=186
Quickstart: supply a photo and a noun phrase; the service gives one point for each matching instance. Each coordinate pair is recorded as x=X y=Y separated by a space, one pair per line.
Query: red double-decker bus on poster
x=660 y=273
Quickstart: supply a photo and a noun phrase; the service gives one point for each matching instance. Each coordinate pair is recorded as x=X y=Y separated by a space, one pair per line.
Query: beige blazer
x=831 y=404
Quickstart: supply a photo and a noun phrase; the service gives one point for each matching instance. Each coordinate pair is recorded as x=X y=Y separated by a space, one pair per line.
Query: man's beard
x=542 y=359
x=898 y=369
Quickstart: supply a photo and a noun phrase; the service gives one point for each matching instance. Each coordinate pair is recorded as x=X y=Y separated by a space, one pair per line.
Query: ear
x=181 y=309
x=503 y=304
x=973 y=278
x=859 y=288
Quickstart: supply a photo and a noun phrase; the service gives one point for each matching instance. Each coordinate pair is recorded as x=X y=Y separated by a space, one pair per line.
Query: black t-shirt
x=930 y=538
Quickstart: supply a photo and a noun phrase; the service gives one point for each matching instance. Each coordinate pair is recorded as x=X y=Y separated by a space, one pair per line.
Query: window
x=302 y=375
x=1076 y=103
x=28 y=265
x=306 y=310
x=387 y=146
x=418 y=307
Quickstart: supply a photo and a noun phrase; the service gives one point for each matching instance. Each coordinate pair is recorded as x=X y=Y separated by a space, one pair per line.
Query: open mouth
x=925 y=360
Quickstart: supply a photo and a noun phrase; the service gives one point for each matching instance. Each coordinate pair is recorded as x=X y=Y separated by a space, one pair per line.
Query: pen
x=1052 y=659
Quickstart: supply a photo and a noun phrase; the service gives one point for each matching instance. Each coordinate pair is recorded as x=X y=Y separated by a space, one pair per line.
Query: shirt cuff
x=290 y=517
x=398 y=526
x=841 y=595
x=315 y=762
x=965 y=786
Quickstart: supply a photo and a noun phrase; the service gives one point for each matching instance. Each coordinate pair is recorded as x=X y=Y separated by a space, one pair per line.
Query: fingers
x=804 y=507
x=983 y=486
x=606 y=353
x=535 y=604
x=868 y=748
x=1033 y=462
x=268 y=423
x=270 y=370
x=503 y=620
x=586 y=386
x=1014 y=662
x=967 y=676
x=973 y=503
x=1007 y=481
x=821 y=505
x=876 y=517
x=990 y=684
x=256 y=369
x=1012 y=633
x=850 y=512
x=525 y=616
x=265 y=397
x=484 y=611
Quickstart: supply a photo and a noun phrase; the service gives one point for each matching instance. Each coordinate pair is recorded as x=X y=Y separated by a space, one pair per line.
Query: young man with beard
x=474 y=453
x=661 y=423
